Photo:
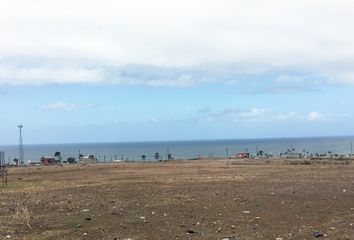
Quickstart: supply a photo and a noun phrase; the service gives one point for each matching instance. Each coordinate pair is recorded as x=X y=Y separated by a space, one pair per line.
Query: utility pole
x=20 y=148
x=351 y=149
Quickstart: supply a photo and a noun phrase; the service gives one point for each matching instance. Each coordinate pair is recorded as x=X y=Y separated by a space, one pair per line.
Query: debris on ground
x=317 y=234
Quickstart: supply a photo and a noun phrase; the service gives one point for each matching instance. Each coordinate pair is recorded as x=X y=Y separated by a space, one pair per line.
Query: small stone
x=190 y=231
x=228 y=238
x=246 y=212
x=86 y=210
x=317 y=234
x=142 y=217
x=85 y=234
x=8 y=236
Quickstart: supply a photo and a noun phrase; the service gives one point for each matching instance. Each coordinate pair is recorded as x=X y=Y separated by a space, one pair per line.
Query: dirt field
x=180 y=200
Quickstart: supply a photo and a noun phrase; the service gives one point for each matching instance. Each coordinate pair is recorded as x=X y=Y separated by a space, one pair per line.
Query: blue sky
x=107 y=71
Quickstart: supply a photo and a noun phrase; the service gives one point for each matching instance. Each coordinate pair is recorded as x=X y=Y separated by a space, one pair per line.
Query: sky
x=116 y=71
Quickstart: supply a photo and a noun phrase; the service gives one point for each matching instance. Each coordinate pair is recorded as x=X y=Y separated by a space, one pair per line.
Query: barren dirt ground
x=201 y=199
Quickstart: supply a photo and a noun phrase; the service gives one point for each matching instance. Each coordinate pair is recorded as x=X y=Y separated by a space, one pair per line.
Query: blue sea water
x=183 y=149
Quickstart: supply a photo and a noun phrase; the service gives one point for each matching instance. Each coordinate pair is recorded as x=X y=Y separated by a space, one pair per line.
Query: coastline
x=184 y=149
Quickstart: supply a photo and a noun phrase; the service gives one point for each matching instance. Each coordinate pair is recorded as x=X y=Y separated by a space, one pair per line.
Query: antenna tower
x=21 y=154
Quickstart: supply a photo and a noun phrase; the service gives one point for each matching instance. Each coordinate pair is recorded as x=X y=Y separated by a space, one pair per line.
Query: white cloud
x=289 y=78
x=64 y=106
x=346 y=77
x=155 y=120
x=265 y=115
x=256 y=114
x=315 y=116
x=279 y=90
x=253 y=114
x=77 y=39
x=11 y=75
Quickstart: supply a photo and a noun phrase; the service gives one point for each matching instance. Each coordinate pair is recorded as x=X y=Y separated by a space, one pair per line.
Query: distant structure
x=2 y=160
x=47 y=161
x=20 y=148
x=241 y=155
x=88 y=159
x=3 y=171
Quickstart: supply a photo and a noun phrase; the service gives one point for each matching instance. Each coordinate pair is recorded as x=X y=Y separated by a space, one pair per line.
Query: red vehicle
x=48 y=161
x=243 y=155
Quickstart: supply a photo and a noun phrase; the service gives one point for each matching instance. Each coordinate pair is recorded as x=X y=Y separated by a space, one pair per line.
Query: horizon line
x=187 y=140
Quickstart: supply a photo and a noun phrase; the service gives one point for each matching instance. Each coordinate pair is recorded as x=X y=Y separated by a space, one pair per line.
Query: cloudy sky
x=112 y=70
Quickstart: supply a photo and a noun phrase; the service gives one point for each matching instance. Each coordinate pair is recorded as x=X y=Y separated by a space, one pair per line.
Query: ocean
x=182 y=149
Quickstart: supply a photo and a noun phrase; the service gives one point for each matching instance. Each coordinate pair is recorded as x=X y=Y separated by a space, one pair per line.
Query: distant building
x=34 y=163
x=88 y=159
x=47 y=161
x=243 y=155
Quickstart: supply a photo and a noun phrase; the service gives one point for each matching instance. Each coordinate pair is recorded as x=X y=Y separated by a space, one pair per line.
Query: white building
x=88 y=159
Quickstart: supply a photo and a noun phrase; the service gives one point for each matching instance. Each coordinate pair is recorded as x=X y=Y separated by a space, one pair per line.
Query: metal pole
x=21 y=152
x=351 y=149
